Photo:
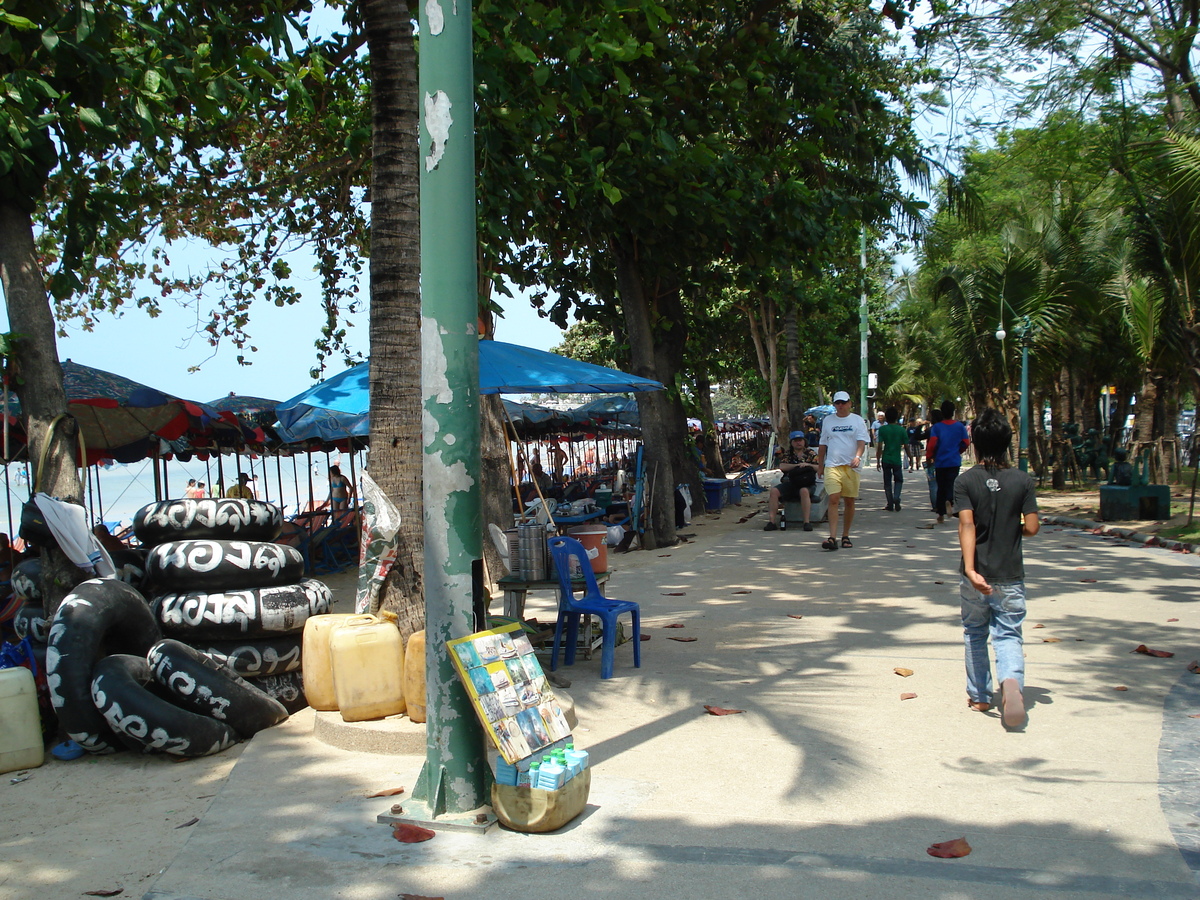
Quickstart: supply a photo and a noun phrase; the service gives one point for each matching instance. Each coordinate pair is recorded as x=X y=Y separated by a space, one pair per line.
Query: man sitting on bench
x=799 y=467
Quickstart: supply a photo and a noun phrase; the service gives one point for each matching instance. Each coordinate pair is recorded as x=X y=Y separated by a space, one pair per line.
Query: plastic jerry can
x=317 y=664
x=414 y=676
x=20 y=722
x=368 y=668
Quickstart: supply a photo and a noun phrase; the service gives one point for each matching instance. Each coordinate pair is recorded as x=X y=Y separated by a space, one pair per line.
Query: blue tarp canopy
x=503 y=369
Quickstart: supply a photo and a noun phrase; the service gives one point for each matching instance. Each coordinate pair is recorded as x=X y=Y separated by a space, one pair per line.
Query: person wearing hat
x=241 y=490
x=799 y=467
x=844 y=438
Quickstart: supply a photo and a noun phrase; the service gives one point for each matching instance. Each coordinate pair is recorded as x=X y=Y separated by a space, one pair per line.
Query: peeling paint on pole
x=437 y=122
x=435 y=17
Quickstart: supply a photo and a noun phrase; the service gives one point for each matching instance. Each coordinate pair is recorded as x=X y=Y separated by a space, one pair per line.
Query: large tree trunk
x=1143 y=411
x=795 y=399
x=653 y=406
x=38 y=382
x=396 y=444
x=764 y=332
x=497 y=499
x=708 y=421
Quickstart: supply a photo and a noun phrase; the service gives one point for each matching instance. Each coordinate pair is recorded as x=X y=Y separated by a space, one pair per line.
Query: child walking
x=996 y=507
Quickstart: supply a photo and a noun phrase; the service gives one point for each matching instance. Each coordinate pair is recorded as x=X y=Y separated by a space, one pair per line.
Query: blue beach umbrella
x=503 y=369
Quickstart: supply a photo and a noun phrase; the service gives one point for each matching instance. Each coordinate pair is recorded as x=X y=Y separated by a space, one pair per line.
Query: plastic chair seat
x=592 y=603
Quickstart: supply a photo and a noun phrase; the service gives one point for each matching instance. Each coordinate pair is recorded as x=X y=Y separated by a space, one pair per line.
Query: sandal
x=829 y=544
x=846 y=542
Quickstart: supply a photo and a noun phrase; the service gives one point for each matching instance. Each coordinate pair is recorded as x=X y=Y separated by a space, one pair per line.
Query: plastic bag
x=380 y=545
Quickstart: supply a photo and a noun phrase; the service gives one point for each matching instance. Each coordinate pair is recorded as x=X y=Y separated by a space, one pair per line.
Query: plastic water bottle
x=551 y=775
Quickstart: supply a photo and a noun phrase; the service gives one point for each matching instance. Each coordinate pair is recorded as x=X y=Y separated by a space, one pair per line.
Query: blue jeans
x=893 y=478
x=999 y=614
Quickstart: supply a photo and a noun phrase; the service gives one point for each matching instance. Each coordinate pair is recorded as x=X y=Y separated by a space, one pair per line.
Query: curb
x=1129 y=534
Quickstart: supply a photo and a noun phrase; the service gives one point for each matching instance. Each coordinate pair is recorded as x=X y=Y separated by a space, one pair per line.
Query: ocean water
x=113 y=494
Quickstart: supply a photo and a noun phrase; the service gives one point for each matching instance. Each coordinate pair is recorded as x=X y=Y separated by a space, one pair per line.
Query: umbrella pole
x=207 y=476
x=157 y=475
x=296 y=480
x=166 y=483
x=91 y=500
x=353 y=474
x=516 y=486
x=220 y=475
x=99 y=495
x=279 y=481
x=311 y=498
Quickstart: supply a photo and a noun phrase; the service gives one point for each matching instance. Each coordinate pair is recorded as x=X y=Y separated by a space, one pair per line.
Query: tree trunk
x=795 y=399
x=653 y=406
x=765 y=334
x=37 y=377
x=396 y=442
x=708 y=421
x=495 y=479
x=1143 y=410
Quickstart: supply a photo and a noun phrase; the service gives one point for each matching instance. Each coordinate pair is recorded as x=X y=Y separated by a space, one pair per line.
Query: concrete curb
x=1129 y=534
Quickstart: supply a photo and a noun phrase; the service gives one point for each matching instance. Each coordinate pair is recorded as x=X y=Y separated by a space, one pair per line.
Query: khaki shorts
x=842 y=480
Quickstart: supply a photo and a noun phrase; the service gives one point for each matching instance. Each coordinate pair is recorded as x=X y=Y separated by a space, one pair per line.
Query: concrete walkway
x=829 y=785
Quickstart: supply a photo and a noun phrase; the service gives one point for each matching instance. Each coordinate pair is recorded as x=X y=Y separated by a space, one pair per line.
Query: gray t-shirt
x=999 y=498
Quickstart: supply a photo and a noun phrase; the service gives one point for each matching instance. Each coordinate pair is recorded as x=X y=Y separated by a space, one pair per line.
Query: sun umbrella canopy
x=608 y=411
x=503 y=369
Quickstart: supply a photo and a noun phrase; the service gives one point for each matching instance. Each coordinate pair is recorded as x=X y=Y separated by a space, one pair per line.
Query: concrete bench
x=794 y=510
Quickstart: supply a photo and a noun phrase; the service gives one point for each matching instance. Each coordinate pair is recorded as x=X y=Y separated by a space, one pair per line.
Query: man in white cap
x=844 y=438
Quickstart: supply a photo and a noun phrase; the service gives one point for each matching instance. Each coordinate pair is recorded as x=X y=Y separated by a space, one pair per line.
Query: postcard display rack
x=541 y=780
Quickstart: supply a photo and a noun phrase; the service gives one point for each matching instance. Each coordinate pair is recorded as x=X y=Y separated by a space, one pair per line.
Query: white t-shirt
x=840 y=436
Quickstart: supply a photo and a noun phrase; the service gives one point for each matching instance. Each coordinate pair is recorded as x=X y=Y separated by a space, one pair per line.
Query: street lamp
x=1024 y=333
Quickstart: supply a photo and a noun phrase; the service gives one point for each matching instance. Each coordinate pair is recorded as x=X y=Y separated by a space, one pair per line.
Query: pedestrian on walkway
x=844 y=437
x=875 y=426
x=892 y=438
x=799 y=467
x=948 y=440
x=997 y=506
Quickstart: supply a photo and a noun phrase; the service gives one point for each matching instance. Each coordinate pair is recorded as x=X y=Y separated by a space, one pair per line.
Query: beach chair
x=749 y=480
x=566 y=550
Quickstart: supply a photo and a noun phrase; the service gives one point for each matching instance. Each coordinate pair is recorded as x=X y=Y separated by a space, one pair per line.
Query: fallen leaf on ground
x=1194 y=715
x=1194 y=667
x=389 y=792
x=795 y=616
x=411 y=834
x=1120 y=687
x=1070 y=547
x=939 y=582
x=663 y=555
x=1051 y=640
x=722 y=711
x=675 y=594
x=902 y=672
x=1039 y=625
x=1146 y=651
x=645 y=637
x=682 y=640
x=950 y=849
x=191 y=821
x=741 y=592
x=908 y=696
x=1172 y=620
x=673 y=625
x=104 y=893
x=1087 y=580
x=419 y=897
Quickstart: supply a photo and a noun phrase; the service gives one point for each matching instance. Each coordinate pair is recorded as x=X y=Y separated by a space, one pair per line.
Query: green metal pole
x=863 y=329
x=1023 y=446
x=452 y=781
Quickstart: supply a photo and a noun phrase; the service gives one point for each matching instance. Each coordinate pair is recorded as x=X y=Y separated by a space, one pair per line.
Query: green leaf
x=18 y=22
x=90 y=117
x=611 y=192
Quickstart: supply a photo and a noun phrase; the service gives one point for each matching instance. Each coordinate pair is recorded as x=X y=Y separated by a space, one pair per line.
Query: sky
x=158 y=352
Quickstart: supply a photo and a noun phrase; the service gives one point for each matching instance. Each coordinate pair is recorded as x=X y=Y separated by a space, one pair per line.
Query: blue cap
x=796 y=434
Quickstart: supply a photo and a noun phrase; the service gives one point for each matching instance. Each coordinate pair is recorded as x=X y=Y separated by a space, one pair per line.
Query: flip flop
x=1012 y=704
x=846 y=542
x=829 y=544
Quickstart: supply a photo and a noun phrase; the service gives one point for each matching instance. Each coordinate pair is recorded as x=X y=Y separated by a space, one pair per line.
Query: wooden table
x=516 y=588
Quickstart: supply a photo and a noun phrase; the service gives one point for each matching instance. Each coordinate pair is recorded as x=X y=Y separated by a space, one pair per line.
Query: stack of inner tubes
x=115 y=683
x=219 y=584
x=29 y=621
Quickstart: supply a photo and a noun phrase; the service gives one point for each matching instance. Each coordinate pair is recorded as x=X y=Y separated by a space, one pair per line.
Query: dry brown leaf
x=794 y=616
x=388 y=792
x=104 y=893
x=645 y=637
x=189 y=822
x=1087 y=580
x=902 y=672
x=908 y=696
x=675 y=593
x=1146 y=651
x=674 y=625
x=954 y=849
x=1039 y=625
x=1172 y=620
x=1194 y=715
x=663 y=555
x=742 y=592
x=1194 y=667
x=1051 y=640
x=411 y=834
x=1120 y=687
x=682 y=640
x=419 y=897
x=939 y=582
x=722 y=711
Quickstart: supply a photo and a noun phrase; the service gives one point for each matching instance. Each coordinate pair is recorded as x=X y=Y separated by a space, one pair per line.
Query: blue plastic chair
x=593 y=603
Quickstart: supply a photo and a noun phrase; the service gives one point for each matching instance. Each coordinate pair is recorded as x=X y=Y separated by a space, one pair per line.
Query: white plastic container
x=20 y=722
x=317 y=663
x=368 y=668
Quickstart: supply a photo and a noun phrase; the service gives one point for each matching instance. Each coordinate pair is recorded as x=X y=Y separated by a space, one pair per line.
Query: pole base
x=418 y=812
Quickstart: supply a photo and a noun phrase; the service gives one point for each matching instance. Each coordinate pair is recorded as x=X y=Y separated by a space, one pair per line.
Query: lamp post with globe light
x=1024 y=332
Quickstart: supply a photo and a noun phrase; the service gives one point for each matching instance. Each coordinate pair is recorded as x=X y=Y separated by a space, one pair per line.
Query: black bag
x=802 y=476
